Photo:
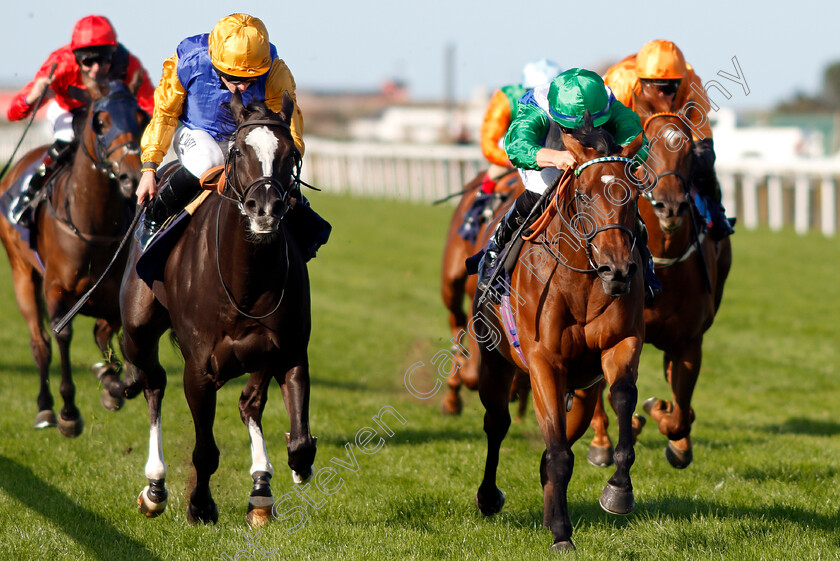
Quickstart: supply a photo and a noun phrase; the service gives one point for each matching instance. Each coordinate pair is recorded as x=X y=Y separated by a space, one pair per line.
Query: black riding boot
x=57 y=154
x=173 y=196
x=652 y=284
x=514 y=218
x=705 y=180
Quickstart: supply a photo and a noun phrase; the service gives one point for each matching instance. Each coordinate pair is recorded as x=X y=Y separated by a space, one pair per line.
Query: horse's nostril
x=631 y=270
x=606 y=272
x=277 y=208
x=251 y=205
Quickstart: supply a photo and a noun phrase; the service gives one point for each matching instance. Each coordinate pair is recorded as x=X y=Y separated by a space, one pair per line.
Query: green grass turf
x=762 y=486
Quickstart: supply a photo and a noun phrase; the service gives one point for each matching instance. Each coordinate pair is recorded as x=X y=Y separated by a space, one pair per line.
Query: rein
x=231 y=182
x=228 y=292
x=115 y=104
x=699 y=236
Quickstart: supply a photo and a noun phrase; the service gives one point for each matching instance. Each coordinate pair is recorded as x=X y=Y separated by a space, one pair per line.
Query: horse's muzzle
x=264 y=209
x=615 y=279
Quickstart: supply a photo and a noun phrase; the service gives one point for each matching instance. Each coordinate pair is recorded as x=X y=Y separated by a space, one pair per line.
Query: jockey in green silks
x=534 y=145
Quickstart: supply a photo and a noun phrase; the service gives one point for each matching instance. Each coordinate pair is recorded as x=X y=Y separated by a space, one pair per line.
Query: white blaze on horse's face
x=265 y=145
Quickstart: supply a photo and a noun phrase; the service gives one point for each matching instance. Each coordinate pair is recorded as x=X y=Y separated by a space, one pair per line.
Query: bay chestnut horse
x=76 y=232
x=692 y=268
x=577 y=299
x=456 y=284
x=236 y=296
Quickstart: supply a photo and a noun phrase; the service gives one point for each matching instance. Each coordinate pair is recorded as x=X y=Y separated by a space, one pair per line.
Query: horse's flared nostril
x=606 y=272
x=278 y=209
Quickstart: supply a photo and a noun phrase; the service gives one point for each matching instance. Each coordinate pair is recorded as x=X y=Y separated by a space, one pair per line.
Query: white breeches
x=198 y=151
x=61 y=122
x=538 y=180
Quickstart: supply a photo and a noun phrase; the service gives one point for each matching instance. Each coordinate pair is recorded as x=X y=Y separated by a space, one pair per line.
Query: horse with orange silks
x=693 y=270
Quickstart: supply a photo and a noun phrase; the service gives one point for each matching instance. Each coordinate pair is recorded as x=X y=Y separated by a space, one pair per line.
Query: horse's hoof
x=110 y=402
x=564 y=546
x=491 y=506
x=71 y=428
x=209 y=515
x=101 y=369
x=45 y=419
x=148 y=506
x=600 y=456
x=451 y=406
x=259 y=511
x=639 y=422
x=303 y=479
x=679 y=459
x=649 y=404
x=617 y=501
x=132 y=389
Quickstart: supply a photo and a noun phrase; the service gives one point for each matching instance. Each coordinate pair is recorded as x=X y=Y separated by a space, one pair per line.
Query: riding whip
x=29 y=124
x=83 y=300
x=545 y=195
x=465 y=191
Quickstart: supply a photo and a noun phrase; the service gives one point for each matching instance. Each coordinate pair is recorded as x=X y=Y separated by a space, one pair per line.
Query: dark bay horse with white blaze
x=77 y=230
x=693 y=270
x=236 y=295
x=577 y=299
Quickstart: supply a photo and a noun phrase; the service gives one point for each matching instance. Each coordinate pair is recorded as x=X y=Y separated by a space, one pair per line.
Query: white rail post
x=775 y=213
x=749 y=185
x=828 y=206
x=802 y=207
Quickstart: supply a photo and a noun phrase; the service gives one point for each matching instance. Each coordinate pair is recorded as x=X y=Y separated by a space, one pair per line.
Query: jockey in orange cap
x=94 y=51
x=659 y=70
x=192 y=113
x=500 y=113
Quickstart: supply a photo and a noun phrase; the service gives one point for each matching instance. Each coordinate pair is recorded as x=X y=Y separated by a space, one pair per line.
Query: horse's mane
x=594 y=137
x=260 y=110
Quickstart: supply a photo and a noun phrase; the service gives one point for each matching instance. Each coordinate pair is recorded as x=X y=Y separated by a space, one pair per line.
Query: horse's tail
x=173 y=338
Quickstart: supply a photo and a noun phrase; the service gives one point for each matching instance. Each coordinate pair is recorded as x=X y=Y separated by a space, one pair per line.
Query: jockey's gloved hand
x=704 y=154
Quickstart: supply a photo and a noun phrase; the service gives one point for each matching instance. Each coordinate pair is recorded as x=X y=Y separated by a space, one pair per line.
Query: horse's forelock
x=596 y=138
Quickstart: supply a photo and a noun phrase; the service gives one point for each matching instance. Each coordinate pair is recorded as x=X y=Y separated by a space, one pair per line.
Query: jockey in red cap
x=94 y=51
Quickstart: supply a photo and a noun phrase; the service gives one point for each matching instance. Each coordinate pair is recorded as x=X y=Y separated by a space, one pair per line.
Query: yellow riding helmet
x=660 y=60
x=239 y=46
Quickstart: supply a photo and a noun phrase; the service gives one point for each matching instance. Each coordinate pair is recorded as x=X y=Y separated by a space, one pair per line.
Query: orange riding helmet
x=660 y=60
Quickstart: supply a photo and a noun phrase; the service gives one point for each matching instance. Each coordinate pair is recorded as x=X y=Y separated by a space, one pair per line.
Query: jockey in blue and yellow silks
x=191 y=110
x=534 y=145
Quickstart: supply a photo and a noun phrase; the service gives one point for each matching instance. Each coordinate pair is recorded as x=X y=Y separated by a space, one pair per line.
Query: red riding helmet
x=93 y=31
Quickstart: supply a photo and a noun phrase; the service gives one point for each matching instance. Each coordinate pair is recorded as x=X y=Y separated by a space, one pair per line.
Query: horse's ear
x=95 y=89
x=287 y=107
x=574 y=146
x=587 y=120
x=237 y=108
x=630 y=150
x=136 y=81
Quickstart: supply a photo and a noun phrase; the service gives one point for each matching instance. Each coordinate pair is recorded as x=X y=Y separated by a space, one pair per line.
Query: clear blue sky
x=782 y=47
